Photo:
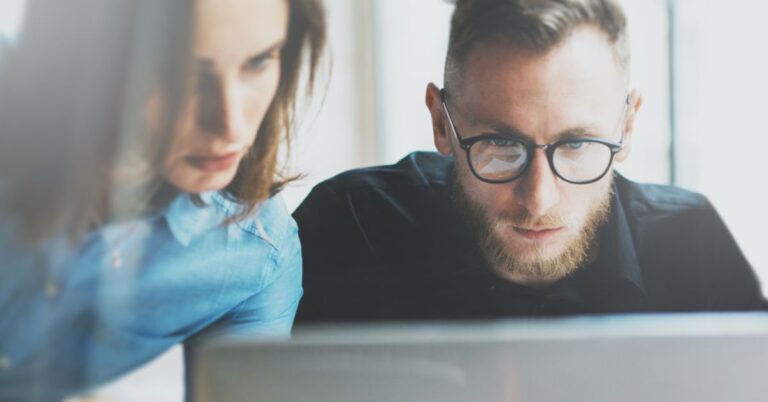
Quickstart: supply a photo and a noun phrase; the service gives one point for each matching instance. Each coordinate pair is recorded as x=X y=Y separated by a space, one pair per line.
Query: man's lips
x=213 y=163
x=537 y=233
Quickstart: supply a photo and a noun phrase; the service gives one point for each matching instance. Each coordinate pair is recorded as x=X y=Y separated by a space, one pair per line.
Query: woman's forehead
x=238 y=29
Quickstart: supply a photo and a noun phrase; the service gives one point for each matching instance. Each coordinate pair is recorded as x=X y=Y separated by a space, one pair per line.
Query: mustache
x=525 y=219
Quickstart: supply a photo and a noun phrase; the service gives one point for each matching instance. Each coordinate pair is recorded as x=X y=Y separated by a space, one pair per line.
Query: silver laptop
x=678 y=358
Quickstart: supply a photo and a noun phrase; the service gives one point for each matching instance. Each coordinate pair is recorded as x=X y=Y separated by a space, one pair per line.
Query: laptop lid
x=677 y=358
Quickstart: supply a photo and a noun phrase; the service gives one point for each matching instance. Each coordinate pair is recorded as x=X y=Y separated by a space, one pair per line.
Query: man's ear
x=635 y=102
x=442 y=135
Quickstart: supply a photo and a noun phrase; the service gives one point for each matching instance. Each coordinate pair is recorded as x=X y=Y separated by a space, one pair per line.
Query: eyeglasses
x=502 y=158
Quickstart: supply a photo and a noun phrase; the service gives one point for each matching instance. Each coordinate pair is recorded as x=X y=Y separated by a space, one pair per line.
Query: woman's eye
x=256 y=63
x=260 y=62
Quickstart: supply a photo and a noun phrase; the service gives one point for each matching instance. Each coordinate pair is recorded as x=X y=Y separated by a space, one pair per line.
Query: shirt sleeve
x=267 y=314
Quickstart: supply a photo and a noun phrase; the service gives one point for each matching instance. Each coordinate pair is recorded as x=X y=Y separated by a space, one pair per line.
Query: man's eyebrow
x=497 y=127
x=507 y=129
x=207 y=64
x=577 y=132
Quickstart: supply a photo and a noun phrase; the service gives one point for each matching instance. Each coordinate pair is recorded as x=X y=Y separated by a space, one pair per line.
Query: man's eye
x=503 y=142
x=574 y=146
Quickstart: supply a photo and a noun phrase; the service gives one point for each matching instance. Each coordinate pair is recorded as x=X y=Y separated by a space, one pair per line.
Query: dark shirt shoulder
x=386 y=243
x=373 y=213
x=690 y=261
x=368 y=236
x=658 y=202
x=418 y=169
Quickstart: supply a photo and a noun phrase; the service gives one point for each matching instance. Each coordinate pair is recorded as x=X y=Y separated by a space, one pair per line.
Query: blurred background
x=701 y=65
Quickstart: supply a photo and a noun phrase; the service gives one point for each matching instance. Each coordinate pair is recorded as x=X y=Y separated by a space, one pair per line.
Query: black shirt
x=387 y=244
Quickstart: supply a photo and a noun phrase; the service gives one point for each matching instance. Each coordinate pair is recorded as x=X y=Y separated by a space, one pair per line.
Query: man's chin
x=536 y=258
x=515 y=250
x=535 y=255
x=534 y=261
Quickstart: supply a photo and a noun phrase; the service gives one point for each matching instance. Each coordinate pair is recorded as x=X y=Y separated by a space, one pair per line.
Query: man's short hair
x=535 y=25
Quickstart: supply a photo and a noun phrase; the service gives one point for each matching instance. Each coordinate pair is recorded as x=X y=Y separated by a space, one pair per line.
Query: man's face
x=537 y=228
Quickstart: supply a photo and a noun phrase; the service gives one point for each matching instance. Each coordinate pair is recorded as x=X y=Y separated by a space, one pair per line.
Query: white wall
x=723 y=138
x=338 y=129
x=648 y=33
x=411 y=43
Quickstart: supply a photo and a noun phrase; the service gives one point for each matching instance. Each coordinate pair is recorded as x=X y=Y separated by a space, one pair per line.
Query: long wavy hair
x=77 y=146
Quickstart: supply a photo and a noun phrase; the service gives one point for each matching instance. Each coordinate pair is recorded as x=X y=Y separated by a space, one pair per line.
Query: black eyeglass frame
x=530 y=147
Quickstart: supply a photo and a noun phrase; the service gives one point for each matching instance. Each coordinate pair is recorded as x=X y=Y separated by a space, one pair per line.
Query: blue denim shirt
x=75 y=317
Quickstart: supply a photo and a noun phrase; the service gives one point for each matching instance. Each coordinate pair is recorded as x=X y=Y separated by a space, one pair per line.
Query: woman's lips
x=537 y=234
x=213 y=163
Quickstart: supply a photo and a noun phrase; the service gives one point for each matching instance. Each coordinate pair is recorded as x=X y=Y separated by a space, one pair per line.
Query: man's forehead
x=577 y=86
x=583 y=61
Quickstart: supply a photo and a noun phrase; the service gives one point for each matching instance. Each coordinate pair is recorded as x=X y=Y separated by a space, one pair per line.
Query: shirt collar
x=187 y=219
x=617 y=247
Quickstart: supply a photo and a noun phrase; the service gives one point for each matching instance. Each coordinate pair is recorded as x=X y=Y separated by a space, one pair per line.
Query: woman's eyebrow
x=204 y=63
x=268 y=50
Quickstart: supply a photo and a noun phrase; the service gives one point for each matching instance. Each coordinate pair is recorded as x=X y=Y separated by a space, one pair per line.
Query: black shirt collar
x=617 y=248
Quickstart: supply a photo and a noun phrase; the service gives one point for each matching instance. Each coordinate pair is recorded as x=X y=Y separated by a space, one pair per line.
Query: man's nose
x=220 y=111
x=537 y=189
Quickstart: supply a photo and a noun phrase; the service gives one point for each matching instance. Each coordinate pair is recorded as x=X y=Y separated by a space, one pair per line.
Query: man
x=520 y=213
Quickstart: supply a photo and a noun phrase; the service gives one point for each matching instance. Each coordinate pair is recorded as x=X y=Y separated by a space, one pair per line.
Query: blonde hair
x=537 y=25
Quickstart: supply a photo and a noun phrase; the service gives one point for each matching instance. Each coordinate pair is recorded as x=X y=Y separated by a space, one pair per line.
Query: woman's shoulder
x=246 y=248
x=233 y=261
x=270 y=222
x=217 y=217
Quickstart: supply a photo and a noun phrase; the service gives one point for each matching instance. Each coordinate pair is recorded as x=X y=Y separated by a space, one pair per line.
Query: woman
x=138 y=190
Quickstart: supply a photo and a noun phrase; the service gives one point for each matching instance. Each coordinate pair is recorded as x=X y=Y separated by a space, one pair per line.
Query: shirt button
x=117 y=260
x=5 y=362
x=51 y=289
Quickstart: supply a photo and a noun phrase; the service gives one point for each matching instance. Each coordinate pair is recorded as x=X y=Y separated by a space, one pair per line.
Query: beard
x=538 y=266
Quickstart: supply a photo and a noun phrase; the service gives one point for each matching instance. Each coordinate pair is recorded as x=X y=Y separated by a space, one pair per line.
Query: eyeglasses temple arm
x=448 y=115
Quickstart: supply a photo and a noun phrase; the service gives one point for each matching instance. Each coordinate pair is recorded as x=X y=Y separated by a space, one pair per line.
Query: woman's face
x=235 y=76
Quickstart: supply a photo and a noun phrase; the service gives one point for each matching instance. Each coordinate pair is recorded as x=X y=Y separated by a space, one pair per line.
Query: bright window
x=11 y=12
x=722 y=81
